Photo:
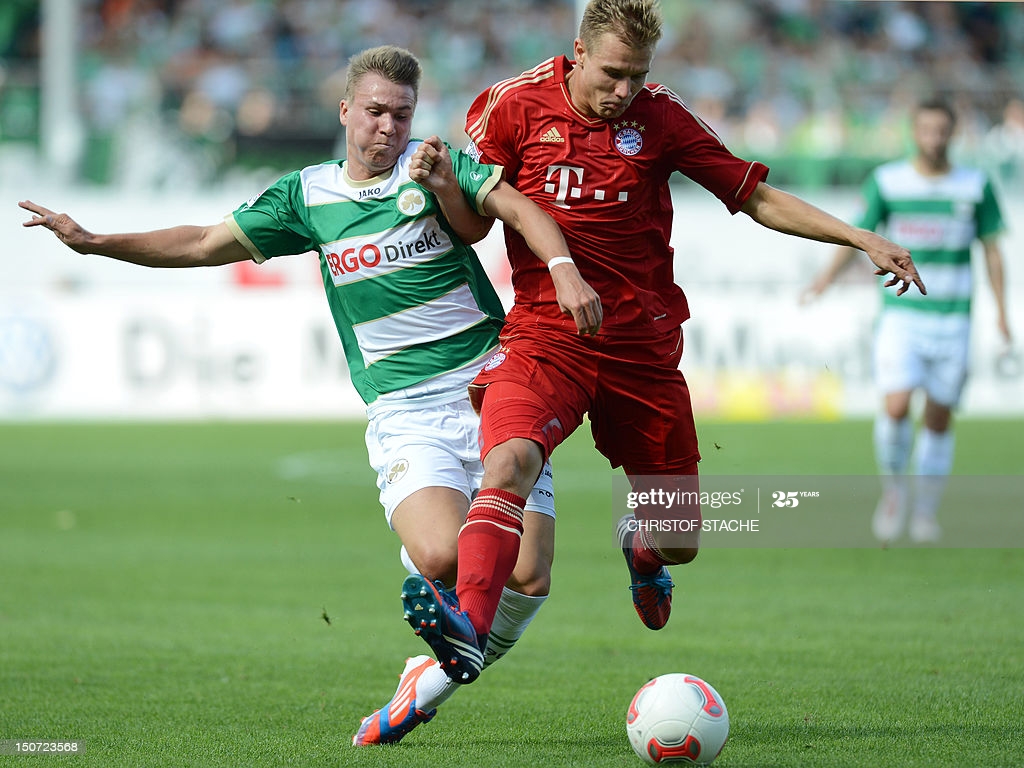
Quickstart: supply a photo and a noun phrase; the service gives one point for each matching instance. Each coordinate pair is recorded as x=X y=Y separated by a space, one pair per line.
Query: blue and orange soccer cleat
x=434 y=615
x=652 y=593
x=399 y=716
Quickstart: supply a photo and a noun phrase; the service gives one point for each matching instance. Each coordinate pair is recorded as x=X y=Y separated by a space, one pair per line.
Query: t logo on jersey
x=561 y=187
x=565 y=182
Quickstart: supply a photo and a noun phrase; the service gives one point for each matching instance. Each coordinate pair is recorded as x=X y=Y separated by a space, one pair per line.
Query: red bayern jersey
x=606 y=184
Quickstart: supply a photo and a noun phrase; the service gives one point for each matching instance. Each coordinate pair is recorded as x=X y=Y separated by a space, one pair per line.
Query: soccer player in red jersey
x=594 y=145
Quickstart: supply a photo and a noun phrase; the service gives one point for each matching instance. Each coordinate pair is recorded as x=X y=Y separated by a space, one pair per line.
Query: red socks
x=647 y=558
x=488 y=550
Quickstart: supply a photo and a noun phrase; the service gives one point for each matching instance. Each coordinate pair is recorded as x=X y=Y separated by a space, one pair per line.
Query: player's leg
x=437 y=616
x=933 y=463
x=489 y=545
x=527 y=589
x=649 y=431
x=934 y=448
x=523 y=595
x=893 y=436
x=653 y=538
x=428 y=522
x=490 y=541
x=529 y=584
x=528 y=403
x=899 y=370
x=425 y=493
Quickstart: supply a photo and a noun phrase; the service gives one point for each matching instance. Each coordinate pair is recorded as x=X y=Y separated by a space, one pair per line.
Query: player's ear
x=343 y=112
x=579 y=50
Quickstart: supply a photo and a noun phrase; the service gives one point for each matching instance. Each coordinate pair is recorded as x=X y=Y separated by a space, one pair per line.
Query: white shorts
x=922 y=352
x=434 y=444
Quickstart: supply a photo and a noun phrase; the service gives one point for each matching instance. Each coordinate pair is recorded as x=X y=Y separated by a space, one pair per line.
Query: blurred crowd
x=823 y=85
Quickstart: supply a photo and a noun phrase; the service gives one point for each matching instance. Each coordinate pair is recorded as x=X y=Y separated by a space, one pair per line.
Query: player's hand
x=893 y=259
x=431 y=166
x=577 y=299
x=63 y=226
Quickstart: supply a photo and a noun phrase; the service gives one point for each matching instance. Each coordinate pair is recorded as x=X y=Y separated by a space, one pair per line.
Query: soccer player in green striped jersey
x=417 y=317
x=938 y=211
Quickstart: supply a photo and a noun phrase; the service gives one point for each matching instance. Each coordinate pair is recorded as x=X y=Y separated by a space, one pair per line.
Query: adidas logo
x=552 y=134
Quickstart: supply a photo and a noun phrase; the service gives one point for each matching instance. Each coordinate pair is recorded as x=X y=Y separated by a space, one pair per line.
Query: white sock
x=933 y=462
x=433 y=688
x=893 y=443
x=407 y=561
x=515 y=612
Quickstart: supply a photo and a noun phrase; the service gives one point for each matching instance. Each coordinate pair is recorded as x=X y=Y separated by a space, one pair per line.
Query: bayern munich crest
x=629 y=141
x=496 y=359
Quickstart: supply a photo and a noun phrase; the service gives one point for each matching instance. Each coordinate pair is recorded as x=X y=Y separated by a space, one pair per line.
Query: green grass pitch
x=223 y=594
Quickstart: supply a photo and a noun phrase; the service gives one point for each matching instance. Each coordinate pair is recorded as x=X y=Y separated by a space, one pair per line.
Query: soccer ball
x=677 y=718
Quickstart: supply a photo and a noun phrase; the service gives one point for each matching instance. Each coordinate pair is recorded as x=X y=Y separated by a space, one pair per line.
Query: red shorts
x=542 y=382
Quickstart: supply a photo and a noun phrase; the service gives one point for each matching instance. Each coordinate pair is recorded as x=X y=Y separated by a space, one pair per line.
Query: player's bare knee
x=897 y=405
x=533 y=582
x=937 y=417
x=681 y=555
x=437 y=561
x=513 y=466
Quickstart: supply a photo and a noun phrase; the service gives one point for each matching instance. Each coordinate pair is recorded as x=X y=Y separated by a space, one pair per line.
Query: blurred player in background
x=417 y=318
x=594 y=146
x=937 y=210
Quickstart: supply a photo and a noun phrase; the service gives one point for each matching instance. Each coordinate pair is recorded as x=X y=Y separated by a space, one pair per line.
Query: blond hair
x=637 y=23
x=390 y=62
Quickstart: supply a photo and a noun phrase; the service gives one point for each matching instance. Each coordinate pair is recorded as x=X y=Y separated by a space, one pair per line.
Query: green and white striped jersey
x=410 y=301
x=937 y=218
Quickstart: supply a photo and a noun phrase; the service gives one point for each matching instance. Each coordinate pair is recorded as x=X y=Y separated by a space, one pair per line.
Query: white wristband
x=560 y=260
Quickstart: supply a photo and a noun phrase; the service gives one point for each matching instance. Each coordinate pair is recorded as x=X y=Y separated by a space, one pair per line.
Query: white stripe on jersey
x=380 y=253
x=947 y=281
x=899 y=180
x=438 y=319
x=328 y=183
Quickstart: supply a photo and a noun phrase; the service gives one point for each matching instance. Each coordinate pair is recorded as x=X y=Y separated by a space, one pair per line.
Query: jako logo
x=351 y=259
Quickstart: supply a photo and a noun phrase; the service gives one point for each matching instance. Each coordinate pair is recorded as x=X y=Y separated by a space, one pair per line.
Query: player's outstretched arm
x=431 y=166
x=790 y=215
x=182 y=246
x=574 y=294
